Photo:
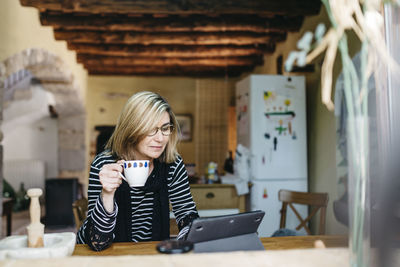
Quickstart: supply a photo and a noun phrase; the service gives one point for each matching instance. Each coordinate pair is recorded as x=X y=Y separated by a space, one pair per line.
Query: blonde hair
x=140 y=115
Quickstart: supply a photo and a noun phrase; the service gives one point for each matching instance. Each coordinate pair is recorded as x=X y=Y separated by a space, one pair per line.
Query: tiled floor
x=20 y=220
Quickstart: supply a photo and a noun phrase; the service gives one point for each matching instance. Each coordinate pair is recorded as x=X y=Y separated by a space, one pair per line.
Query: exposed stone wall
x=55 y=77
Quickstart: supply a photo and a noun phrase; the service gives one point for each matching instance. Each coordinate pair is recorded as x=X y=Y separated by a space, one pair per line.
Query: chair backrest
x=80 y=207
x=318 y=201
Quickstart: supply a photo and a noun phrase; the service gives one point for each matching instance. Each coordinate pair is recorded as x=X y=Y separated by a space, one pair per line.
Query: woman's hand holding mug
x=110 y=179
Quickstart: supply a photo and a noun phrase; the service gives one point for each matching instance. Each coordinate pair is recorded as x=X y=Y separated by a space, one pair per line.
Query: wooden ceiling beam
x=181 y=38
x=169 y=71
x=199 y=23
x=93 y=60
x=261 y=7
x=189 y=51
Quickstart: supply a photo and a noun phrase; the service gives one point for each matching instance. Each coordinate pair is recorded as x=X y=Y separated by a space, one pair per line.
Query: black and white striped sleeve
x=104 y=221
x=180 y=197
x=98 y=224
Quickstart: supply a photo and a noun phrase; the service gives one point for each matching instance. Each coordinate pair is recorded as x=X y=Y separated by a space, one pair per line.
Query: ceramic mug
x=136 y=172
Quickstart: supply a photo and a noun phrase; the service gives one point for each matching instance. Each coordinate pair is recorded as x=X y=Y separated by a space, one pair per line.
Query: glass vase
x=359 y=192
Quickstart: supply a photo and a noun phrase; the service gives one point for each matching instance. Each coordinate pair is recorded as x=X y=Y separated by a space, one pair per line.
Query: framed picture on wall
x=185 y=124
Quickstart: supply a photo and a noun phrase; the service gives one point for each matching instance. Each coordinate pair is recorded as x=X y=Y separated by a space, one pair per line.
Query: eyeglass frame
x=171 y=128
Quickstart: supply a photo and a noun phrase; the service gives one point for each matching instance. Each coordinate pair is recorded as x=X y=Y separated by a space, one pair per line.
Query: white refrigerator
x=271 y=123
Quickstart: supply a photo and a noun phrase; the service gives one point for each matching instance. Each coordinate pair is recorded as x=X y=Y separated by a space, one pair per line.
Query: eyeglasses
x=166 y=130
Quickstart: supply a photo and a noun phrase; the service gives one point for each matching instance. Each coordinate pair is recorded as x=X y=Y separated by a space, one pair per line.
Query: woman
x=146 y=130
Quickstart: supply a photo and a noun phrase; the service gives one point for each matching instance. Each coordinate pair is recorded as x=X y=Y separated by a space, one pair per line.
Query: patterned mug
x=135 y=172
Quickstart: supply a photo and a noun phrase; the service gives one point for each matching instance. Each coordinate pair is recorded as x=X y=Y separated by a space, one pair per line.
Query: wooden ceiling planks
x=186 y=7
x=160 y=38
x=162 y=61
x=209 y=71
x=180 y=37
x=192 y=51
x=171 y=23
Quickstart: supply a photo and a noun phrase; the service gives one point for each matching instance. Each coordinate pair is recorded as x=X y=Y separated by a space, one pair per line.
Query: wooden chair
x=80 y=207
x=316 y=200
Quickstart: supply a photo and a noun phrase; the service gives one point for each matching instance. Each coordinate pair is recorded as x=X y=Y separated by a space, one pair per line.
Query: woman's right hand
x=110 y=177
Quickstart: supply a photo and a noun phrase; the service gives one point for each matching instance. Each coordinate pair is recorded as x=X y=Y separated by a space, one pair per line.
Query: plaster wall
x=20 y=29
x=37 y=140
x=30 y=133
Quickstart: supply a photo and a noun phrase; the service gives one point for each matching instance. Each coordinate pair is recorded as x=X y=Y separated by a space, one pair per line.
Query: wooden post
x=35 y=229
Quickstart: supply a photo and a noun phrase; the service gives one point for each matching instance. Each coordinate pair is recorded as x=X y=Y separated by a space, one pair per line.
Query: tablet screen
x=212 y=228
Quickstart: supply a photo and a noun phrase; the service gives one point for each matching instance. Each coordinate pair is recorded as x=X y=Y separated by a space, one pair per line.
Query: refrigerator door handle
x=251 y=164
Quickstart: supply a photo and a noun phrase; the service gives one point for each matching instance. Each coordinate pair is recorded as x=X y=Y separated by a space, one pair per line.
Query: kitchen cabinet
x=217 y=196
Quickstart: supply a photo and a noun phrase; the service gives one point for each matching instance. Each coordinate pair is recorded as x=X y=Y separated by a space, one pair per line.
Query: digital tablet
x=226 y=233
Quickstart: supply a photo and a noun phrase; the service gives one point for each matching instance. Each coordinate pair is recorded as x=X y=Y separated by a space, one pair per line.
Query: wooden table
x=270 y=243
x=7 y=211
